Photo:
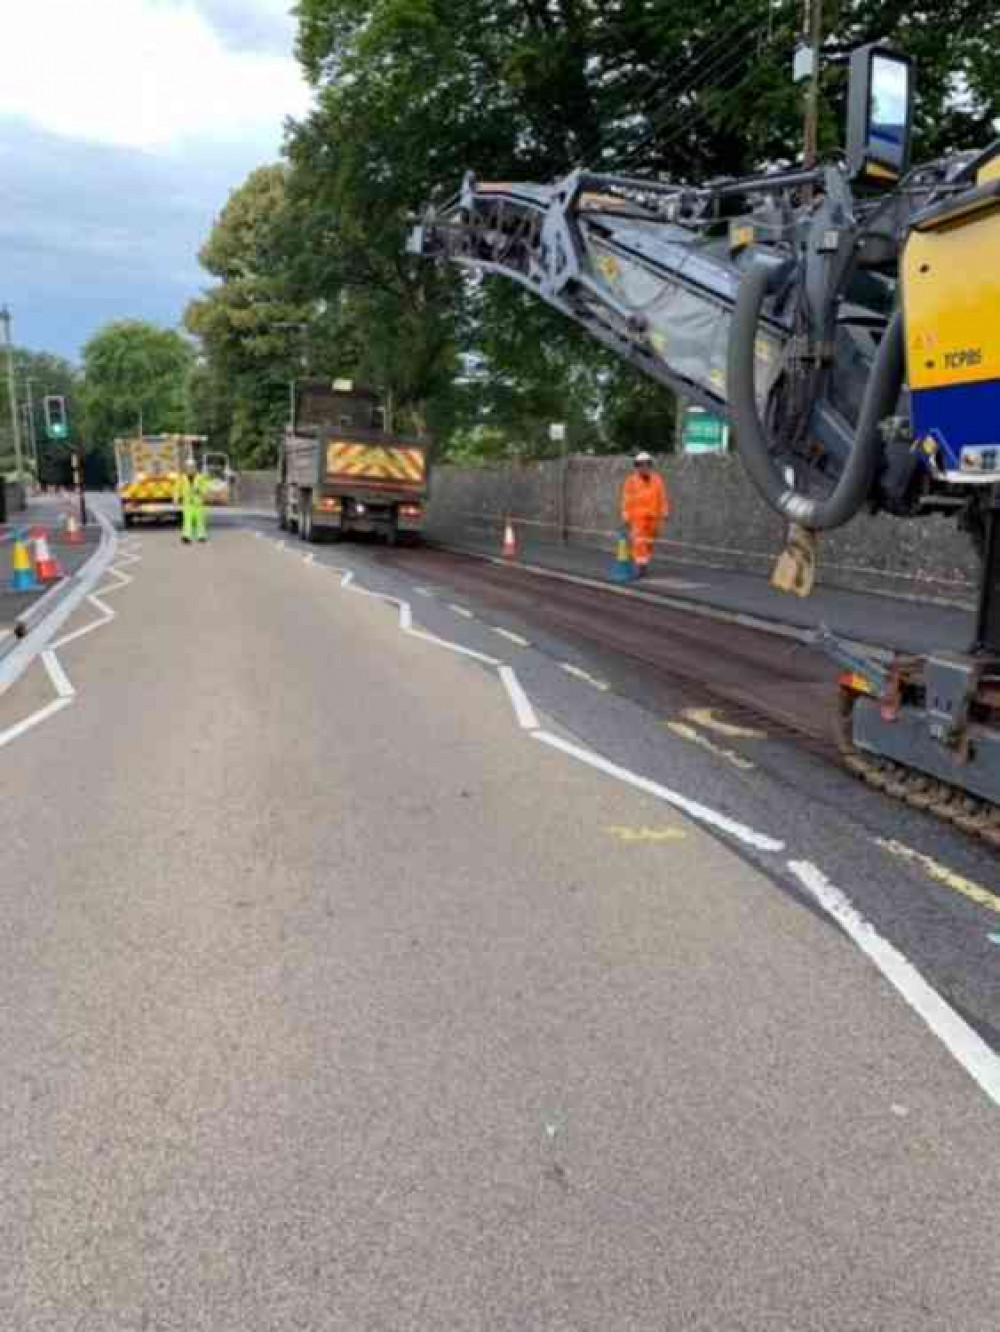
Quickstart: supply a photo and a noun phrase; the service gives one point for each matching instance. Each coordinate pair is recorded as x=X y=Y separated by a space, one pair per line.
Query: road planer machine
x=846 y=320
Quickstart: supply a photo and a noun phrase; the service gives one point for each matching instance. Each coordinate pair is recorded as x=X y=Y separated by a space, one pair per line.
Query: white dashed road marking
x=510 y=637
x=579 y=674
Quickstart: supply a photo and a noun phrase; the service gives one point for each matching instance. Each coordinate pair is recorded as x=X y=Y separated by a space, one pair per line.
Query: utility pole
x=813 y=32
x=557 y=433
x=12 y=394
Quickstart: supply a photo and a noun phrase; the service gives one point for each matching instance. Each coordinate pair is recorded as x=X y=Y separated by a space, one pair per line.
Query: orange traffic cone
x=73 y=534
x=509 y=542
x=46 y=565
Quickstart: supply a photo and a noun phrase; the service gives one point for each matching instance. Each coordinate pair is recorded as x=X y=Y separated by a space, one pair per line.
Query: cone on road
x=22 y=576
x=47 y=568
x=509 y=541
x=73 y=532
x=623 y=570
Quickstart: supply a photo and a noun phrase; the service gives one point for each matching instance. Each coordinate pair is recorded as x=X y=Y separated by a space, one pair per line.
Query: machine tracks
x=979 y=818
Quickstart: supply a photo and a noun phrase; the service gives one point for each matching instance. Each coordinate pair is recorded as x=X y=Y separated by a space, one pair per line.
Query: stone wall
x=717 y=518
x=255 y=490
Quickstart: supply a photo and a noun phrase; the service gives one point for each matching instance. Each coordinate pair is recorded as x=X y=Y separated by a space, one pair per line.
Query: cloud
x=152 y=74
x=266 y=25
x=91 y=232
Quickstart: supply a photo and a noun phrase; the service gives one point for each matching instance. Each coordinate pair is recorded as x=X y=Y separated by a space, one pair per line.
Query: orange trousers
x=643 y=528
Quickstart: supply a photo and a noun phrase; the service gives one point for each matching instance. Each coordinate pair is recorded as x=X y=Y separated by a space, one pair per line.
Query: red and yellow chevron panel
x=375 y=462
x=156 y=488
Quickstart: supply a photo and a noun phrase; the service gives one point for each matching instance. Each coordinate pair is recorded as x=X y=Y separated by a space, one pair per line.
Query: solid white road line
x=700 y=813
x=60 y=680
x=461 y=610
x=971 y=1051
x=18 y=661
x=43 y=714
x=107 y=615
x=520 y=702
x=454 y=647
x=124 y=580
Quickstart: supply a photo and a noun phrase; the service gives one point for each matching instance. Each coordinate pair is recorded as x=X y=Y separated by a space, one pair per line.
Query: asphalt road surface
x=338 y=992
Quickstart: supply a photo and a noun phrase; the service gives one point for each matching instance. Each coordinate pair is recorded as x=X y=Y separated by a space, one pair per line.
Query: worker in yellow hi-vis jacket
x=189 y=493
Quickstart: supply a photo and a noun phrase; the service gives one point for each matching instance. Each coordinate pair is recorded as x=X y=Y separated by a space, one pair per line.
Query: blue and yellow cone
x=22 y=577
x=623 y=570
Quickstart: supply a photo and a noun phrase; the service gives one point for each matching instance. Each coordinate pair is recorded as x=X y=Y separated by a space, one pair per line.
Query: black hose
x=881 y=394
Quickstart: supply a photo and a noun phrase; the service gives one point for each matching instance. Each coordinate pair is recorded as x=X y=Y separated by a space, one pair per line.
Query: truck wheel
x=127 y=521
x=306 y=526
x=392 y=534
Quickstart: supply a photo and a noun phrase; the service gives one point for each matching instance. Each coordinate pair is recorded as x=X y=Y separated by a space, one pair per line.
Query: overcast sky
x=124 y=124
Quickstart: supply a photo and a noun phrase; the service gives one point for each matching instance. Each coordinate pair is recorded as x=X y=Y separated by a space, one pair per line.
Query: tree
x=36 y=375
x=135 y=378
x=409 y=93
x=254 y=333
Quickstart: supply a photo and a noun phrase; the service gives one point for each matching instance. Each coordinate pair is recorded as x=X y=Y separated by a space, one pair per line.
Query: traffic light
x=56 y=418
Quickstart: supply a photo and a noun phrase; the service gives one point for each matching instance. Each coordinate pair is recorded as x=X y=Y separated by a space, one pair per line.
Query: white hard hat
x=644 y=457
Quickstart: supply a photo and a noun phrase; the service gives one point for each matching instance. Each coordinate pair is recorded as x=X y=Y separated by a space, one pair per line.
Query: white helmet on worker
x=643 y=457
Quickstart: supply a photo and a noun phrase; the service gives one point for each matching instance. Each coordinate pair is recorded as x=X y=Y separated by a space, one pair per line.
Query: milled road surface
x=331 y=1000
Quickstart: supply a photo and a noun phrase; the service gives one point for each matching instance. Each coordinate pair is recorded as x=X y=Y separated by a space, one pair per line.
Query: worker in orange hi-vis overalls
x=645 y=508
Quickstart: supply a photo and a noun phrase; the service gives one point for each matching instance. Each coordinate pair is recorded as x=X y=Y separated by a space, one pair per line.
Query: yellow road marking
x=706 y=717
x=942 y=874
x=646 y=834
x=703 y=742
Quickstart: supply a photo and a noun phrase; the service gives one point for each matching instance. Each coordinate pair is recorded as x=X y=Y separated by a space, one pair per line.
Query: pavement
x=332 y=999
x=47 y=512
x=906 y=624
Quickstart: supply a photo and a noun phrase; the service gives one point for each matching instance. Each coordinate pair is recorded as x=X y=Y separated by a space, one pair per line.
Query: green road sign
x=703 y=432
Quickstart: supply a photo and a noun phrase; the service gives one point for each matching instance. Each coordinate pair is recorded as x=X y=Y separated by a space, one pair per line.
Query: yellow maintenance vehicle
x=149 y=466
x=846 y=320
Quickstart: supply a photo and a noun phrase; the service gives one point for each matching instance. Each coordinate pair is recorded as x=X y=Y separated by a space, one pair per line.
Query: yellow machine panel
x=951 y=304
x=951 y=292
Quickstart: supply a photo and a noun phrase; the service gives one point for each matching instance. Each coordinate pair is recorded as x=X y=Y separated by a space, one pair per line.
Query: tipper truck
x=341 y=471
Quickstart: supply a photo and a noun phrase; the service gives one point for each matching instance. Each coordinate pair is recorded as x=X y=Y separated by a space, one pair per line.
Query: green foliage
x=135 y=376
x=410 y=93
x=252 y=331
x=47 y=374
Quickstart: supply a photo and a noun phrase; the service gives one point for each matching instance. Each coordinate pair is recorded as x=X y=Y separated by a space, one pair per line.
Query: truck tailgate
x=379 y=466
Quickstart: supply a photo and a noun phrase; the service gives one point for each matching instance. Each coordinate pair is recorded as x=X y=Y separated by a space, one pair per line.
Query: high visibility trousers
x=643 y=532
x=193 y=527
